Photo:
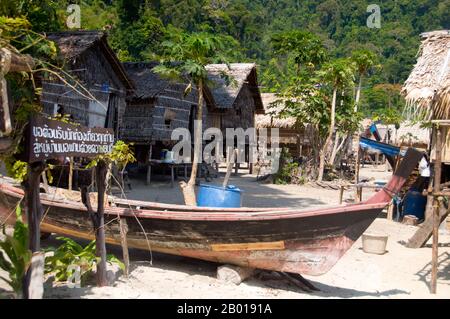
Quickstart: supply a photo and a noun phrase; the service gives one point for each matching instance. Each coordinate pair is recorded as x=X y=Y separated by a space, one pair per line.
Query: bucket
x=414 y=204
x=374 y=243
x=169 y=158
x=218 y=196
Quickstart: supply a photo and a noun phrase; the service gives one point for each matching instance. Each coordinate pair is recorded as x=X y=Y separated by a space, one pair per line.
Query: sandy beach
x=399 y=273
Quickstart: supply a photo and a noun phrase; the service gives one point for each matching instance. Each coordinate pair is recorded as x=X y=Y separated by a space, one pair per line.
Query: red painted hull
x=291 y=240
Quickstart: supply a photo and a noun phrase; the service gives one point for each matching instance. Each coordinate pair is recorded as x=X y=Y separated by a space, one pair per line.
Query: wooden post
x=100 y=246
x=436 y=219
x=357 y=162
x=231 y=155
x=70 y=173
x=98 y=220
x=33 y=278
x=124 y=243
x=149 y=167
x=341 y=195
x=390 y=211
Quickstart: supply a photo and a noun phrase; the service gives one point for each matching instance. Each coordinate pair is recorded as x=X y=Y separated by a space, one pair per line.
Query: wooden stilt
x=341 y=195
x=436 y=220
x=357 y=163
x=70 y=173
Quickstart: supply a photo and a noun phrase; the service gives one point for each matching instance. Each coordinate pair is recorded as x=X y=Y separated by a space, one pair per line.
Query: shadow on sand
x=194 y=267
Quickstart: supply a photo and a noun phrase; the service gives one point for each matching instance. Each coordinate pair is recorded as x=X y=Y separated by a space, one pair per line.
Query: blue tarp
x=382 y=147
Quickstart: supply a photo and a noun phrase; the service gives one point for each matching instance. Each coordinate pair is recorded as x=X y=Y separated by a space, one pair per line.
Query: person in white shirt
x=425 y=173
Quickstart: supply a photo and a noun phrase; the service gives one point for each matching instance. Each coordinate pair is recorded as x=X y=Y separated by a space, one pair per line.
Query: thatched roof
x=148 y=83
x=73 y=43
x=239 y=74
x=430 y=78
x=270 y=117
x=409 y=133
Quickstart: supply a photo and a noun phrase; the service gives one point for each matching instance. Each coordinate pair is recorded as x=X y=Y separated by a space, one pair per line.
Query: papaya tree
x=338 y=74
x=184 y=59
x=364 y=60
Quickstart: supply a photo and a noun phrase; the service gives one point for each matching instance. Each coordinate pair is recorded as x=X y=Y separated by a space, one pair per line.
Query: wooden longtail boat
x=291 y=240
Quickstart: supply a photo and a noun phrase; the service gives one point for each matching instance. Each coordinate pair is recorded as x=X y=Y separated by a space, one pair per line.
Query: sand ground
x=400 y=273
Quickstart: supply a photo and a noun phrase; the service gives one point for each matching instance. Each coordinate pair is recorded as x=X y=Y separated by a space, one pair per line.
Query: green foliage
x=388 y=116
x=16 y=169
x=15 y=257
x=364 y=60
x=186 y=56
x=41 y=14
x=339 y=73
x=305 y=47
x=70 y=253
x=290 y=172
x=120 y=155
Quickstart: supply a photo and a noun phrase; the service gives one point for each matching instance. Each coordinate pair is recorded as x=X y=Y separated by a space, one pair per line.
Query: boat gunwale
x=207 y=215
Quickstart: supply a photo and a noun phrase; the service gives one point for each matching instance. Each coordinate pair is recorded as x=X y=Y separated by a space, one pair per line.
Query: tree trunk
x=358 y=93
x=189 y=188
x=335 y=149
x=323 y=152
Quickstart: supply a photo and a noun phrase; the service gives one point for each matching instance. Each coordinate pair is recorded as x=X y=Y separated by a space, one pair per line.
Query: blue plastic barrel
x=414 y=203
x=217 y=196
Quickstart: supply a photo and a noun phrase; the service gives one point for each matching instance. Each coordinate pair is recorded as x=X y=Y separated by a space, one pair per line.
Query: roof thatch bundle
x=148 y=83
x=72 y=44
x=239 y=74
x=411 y=133
x=271 y=116
x=427 y=89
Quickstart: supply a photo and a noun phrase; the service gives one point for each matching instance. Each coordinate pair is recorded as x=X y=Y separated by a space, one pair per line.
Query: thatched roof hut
x=240 y=75
x=427 y=89
x=89 y=59
x=270 y=117
x=292 y=136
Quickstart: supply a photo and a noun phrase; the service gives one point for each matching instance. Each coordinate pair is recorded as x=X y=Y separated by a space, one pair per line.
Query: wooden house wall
x=137 y=123
x=172 y=98
x=243 y=112
x=95 y=73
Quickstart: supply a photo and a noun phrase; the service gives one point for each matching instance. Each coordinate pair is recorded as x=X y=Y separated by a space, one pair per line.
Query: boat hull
x=303 y=242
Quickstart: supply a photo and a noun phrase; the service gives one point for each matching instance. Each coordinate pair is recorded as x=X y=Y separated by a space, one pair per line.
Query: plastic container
x=374 y=243
x=217 y=196
x=414 y=204
x=170 y=157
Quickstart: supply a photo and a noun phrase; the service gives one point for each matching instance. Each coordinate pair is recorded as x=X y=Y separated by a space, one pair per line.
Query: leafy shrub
x=71 y=253
x=18 y=255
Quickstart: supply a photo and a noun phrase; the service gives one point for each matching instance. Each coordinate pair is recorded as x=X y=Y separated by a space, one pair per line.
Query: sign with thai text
x=50 y=139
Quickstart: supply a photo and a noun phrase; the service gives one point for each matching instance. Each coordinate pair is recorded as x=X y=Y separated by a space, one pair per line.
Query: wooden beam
x=436 y=221
x=234 y=274
x=14 y=62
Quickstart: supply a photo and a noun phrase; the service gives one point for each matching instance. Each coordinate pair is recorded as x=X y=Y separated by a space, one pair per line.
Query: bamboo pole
x=70 y=172
x=436 y=221
x=357 y=162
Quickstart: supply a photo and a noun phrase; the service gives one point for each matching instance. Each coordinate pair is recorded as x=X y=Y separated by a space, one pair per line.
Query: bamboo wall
x=94 y=72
